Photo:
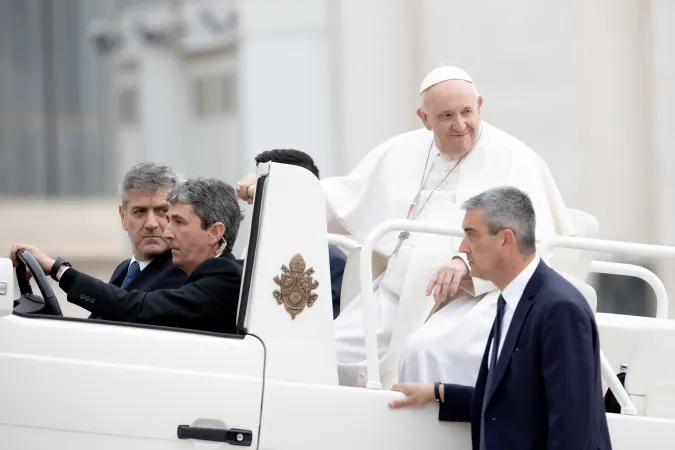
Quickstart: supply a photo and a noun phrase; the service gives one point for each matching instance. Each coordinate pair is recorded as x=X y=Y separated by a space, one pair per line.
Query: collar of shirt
x=512 y=294
x=141 y=264
x=514 y=290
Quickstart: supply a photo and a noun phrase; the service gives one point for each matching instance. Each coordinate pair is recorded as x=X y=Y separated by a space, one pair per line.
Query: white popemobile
x=76 y=384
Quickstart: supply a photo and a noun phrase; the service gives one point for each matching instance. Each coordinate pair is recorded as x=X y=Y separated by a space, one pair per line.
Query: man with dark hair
x=288 y=156
x=204 y=219
x=337 y=258
x=539 y=384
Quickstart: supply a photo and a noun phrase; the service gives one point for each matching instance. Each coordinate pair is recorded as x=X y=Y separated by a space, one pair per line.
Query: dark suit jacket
x=161 y=273
x=208 y=300
x=337 y=260
x=547 y=391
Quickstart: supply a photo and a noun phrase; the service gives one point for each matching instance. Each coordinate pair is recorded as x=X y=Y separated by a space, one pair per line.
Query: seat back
x=661 y=401
x=651 y=373
x=586 y=290
x=350 y=279
x=286 y=296
x=577 y=263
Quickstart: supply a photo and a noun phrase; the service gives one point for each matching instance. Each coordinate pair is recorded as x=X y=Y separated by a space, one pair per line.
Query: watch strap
x=437 y=391
x=56 y=266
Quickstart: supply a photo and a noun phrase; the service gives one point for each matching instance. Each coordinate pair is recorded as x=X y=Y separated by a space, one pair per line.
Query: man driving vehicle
x=144 y=215
x=204 y=219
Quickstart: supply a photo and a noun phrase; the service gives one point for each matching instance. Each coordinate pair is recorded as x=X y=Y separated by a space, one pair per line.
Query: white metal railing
x=370 y=317
x=599 y=245
x=370 y=324
x=605 y=267
x=342 y=241
x=648 y=276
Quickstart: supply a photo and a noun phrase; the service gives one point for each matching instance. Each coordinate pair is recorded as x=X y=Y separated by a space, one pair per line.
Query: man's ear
x=121 y=211
x=480 y=102
x=509 y=237
x=423 y=117
x=217 y=231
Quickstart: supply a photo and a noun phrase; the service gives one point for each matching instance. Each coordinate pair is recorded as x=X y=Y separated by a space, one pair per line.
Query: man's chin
x=153 y=249
x=457 y=149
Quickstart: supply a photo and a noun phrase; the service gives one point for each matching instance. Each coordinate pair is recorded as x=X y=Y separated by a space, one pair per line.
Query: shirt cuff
x=67 y=279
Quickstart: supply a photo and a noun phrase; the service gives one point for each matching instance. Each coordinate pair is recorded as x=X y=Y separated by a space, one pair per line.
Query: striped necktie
x=134 y=269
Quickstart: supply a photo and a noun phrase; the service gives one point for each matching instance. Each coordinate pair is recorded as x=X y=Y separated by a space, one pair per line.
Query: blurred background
x=90 y=87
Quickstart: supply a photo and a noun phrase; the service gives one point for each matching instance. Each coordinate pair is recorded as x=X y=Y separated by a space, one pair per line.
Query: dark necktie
x=134 y=269
x=501 y=305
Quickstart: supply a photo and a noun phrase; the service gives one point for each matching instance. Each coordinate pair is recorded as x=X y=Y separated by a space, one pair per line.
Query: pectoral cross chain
x=402 y=236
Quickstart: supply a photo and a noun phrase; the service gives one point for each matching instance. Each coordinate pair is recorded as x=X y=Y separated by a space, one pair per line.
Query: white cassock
x=382 y=187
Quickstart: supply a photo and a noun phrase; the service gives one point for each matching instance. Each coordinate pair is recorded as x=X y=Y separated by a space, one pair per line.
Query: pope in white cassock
x=426 y=175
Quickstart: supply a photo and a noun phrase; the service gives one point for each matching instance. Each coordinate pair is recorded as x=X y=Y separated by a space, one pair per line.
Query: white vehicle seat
x=650 y=380
x=577 y=263
x=350 y=278
x=282 y=250
x=586 y=290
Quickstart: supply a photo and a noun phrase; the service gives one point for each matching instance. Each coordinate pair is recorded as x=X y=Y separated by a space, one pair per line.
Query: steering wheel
x=28 y=261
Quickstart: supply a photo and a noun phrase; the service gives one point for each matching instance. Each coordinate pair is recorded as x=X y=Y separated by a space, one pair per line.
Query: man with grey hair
x=203 y=221
x=539 y=385
x=143 y=212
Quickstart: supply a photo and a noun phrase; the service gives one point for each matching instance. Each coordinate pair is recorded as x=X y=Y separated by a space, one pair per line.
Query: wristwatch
x=57 y=265
x=437 y=391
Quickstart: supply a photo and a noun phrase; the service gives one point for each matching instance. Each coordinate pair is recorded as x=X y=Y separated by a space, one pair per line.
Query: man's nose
x=167 y=233
x=464 y=247
x=459 y=125
x=151 y=223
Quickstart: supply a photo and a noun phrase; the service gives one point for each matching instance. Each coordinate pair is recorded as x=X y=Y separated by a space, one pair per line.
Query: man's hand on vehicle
x=416 y=394
x=243 y=185
x=446 y=279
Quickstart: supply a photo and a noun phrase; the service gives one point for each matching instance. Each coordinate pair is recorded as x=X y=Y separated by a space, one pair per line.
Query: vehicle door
x=77 y=384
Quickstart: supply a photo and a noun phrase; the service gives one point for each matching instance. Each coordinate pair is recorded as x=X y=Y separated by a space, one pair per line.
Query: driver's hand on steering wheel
x=45 y=261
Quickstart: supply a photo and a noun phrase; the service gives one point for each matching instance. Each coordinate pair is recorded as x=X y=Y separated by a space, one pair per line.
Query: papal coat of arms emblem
x=296 y=286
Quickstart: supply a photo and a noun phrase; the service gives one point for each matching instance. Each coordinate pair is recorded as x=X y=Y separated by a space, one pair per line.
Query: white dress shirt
x=141 y=264
x=512 y=294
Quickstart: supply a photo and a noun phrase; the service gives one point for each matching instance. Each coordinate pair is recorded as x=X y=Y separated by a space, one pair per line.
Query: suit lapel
x=120 y=272
x=152 y=269
x=142 y=275
x=519 y=317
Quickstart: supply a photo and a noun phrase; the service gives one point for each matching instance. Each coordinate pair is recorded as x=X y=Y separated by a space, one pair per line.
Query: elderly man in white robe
x=425 y=175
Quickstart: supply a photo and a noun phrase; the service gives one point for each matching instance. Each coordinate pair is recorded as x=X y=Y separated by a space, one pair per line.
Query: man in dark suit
x=143 y=214
x=336 y=257
x=203 y=222
x=539 y=385
x=160 y=273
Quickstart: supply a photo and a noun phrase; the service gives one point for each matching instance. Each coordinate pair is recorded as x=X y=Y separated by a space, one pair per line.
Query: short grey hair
x=508 y=207
x=212 y=201
x=147 y=176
